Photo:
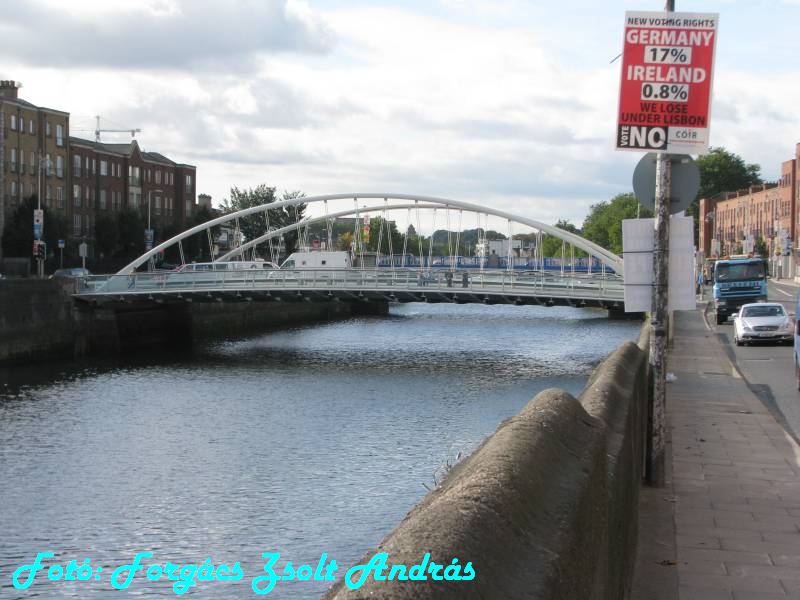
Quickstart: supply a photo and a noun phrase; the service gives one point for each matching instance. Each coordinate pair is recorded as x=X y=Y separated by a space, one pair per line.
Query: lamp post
x=711 y=217
x=38 y=217
x=148 y=233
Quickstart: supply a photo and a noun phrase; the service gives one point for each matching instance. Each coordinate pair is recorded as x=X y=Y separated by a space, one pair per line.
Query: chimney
x=8 y=88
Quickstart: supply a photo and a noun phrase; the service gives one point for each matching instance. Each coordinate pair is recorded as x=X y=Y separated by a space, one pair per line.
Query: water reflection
x=310 y=440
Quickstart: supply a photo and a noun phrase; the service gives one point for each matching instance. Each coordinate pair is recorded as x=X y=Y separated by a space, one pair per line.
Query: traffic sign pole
x=659 y=321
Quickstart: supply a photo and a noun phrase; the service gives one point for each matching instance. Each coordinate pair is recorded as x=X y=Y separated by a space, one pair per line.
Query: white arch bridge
x=401 y=270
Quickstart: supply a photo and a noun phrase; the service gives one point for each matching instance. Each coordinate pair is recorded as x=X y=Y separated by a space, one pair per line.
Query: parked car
x=762 y=322
x=71 y=273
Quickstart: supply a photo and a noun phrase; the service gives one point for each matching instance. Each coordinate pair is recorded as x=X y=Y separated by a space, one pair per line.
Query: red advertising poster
x=665 y=90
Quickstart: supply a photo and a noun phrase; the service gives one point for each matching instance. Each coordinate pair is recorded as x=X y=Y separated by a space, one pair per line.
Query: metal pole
x=660 y=316
x=39 y=261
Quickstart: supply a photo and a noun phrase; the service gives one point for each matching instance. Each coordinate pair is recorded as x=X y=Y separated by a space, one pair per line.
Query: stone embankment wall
x=39 y=321
x=545 y=508
x=35 y=320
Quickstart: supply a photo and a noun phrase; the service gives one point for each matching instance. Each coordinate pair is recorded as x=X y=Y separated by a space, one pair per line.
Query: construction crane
x=97 y=131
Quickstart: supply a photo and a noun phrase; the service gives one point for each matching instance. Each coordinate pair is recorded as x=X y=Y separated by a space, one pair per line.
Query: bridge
x=397 y=274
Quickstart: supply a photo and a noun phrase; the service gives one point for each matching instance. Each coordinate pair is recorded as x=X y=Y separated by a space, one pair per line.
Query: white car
x=762 y=322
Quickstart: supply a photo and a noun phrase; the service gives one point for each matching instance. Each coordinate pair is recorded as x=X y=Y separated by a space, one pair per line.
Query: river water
x=310 y=440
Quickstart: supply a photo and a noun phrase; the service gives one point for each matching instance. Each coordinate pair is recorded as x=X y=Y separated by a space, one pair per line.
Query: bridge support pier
x=377 y=308
x=619 y=314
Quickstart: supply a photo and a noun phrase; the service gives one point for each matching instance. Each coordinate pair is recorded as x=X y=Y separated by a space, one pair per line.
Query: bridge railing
x=494 y=281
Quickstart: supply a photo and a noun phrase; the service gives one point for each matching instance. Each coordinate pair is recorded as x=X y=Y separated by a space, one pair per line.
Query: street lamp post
x=38 y=219
x=148 y=233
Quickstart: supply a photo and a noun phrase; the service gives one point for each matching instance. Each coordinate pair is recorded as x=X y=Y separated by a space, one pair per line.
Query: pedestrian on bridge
x=448 y=276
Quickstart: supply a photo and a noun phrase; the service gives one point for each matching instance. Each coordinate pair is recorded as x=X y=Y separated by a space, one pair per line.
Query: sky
x=507 y=103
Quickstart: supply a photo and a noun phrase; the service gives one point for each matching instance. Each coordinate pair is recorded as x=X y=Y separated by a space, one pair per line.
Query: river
x=303 y=441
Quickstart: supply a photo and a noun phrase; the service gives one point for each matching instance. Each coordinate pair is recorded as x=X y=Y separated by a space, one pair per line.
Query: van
x=318 y=260
x=233 y=265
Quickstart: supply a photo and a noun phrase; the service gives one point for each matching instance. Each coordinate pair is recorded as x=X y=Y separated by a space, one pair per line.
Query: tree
x=18 y=231
x=603 y=224
x=254 y=226
x=760 y=247
x=130 y=229
x=382 y=230
x=723 y=171
x=106 y=235
x=551 y=245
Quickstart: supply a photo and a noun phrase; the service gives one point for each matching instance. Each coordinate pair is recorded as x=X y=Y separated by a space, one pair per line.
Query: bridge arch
x=428 y=202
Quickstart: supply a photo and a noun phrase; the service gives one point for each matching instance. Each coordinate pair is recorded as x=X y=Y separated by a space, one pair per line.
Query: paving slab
x=727 y=523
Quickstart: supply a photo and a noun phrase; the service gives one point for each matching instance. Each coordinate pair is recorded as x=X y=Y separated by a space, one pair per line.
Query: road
x=768 y=369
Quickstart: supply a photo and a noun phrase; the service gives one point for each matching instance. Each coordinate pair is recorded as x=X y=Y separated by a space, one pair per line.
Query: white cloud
x=484 y=102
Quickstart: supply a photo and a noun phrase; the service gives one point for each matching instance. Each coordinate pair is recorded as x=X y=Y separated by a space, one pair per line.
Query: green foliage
x=603 y=224
x=254 y=226
x=551 y=245
x=18 y=230
x=105 y=234
x=130 y=232
x=723 y=171
x=760 y=247
x=389 y=229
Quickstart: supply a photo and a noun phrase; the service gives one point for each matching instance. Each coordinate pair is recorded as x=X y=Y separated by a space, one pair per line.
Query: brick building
x=735 y=222
x=108 y=177
x=83 y=179
x=30 y=136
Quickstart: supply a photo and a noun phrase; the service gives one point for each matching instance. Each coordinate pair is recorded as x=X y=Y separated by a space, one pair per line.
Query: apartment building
x=31 y=137
x=83 y=179
x=107 y=177
x=736 y=221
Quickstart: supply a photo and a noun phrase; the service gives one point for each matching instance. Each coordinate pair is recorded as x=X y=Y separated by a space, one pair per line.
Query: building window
x=31 y=130
x=103 y=168
x=76 y=195
x=76 y=224
x=60 y=197
x=135 y=175
x=13 y=189
x=22 y=161
x=148 y=175
x=47 y=131
x=87 y=196
x=171 y=179
x=48 y=166
x=13 y=160
x=188 y=184
x=59 y=135
x=76 y=166
x=32 y=161
x=13 y=122
x=158 y=205
x=188 y=207
x=132 y=200
x=59 y=166
x=94 y=166
x=102 y=199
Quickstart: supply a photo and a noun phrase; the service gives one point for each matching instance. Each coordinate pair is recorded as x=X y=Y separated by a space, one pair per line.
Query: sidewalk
x=727 y=525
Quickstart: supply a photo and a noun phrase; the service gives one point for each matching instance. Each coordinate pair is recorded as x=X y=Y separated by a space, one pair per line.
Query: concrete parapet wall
x=39 y=320
x=35 y=320
x=545 y=508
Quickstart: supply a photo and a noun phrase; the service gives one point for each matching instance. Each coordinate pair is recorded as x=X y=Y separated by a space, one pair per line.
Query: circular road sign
x=685 y=181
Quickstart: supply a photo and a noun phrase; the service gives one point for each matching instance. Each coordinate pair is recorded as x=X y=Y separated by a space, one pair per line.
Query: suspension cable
x=405 y=238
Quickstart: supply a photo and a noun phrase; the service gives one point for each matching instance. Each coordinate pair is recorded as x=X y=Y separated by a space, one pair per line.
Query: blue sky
x=505 y=102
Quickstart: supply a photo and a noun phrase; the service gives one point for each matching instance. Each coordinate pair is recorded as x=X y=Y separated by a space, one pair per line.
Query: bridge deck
x=402 y=285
